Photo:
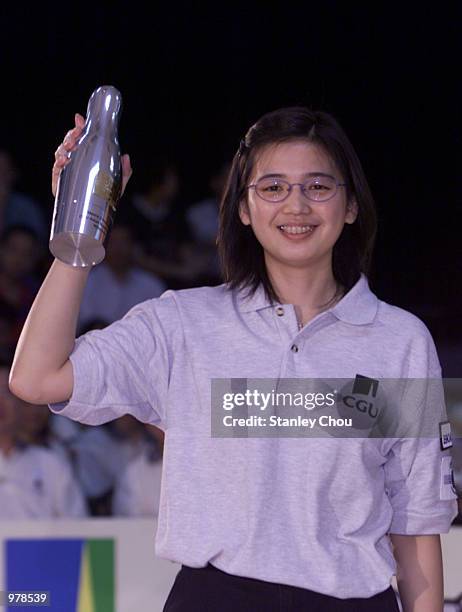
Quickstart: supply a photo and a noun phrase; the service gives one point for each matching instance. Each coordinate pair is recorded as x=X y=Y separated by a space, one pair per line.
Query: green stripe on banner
x=101 y=557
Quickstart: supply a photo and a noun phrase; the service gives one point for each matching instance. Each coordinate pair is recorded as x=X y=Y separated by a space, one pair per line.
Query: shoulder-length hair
x=241 y=255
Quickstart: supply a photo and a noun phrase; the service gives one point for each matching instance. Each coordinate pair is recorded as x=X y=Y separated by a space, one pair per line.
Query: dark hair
x=241 y=254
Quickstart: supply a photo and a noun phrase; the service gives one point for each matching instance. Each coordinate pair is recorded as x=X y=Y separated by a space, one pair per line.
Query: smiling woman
x=297 y=175
x=268 y=522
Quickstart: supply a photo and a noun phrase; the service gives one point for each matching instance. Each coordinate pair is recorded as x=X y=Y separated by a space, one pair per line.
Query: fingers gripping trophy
x=89 y=176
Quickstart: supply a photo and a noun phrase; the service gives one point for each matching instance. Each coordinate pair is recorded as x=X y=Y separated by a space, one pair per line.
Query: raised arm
x=42 y=372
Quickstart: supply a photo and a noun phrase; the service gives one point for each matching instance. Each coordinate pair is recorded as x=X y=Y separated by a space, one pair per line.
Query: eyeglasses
x=318 y=188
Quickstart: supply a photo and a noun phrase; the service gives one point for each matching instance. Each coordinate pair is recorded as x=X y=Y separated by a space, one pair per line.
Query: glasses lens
x=272 y=189
x=320 y=188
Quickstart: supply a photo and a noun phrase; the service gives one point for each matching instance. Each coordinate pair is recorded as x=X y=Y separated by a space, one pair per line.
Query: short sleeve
x=418 y=470
x=416 y=477
x=122 y=369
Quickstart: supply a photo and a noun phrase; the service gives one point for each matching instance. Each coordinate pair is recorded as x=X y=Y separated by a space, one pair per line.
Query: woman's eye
x=318 y=187
x=273 y=188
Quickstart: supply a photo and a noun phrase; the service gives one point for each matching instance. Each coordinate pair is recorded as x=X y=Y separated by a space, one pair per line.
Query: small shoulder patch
x=445 y=435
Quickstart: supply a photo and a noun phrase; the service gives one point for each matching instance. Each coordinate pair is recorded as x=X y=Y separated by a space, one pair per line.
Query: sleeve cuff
x=423 y=524
x=85 y=370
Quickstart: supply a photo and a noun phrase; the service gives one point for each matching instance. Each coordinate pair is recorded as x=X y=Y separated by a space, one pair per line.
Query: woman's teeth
x=296 y=229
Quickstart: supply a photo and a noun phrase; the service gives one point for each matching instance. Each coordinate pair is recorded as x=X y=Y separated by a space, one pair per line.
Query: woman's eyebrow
x=307 y=174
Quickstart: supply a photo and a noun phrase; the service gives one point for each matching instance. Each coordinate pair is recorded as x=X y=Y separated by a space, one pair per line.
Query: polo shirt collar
x=255 y=301
x=358 y=307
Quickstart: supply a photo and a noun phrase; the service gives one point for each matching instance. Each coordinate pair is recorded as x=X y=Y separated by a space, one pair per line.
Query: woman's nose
x=296 y=201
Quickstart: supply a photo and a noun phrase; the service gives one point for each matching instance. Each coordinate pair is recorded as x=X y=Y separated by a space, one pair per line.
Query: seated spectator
x=202 y=218
x=101 y=454
x=35 y=482
x=36 y=427
x=159 y=227
x=64 y=431
x=137 y=491
x=115 y=285
x=17 y=208
x=19 y=254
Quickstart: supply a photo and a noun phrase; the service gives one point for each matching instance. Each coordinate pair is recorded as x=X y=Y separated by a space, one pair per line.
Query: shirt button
x=280 y=311
x=294 y=348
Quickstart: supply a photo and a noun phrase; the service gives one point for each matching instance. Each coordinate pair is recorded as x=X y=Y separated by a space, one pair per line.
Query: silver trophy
x=90 y=185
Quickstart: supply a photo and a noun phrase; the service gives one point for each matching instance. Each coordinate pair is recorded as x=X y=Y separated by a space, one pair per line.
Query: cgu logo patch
x=363 y=401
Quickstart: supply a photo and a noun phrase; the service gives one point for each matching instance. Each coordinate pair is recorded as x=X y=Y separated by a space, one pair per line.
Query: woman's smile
x=296 y=231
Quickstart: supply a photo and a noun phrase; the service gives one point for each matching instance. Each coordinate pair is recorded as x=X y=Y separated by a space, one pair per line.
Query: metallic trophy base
x=77 y=250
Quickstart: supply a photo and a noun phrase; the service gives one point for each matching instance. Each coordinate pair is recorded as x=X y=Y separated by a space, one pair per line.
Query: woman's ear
x=244 y=213
x=351 y=212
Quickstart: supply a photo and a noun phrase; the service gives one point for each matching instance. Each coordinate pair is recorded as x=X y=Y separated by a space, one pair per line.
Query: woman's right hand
x=69 y=144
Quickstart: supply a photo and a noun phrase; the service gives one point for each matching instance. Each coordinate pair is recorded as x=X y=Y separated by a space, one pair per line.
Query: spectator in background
x=101 y=455
x=116 y=285
x=202 y=219
x=137 y=491
x=159 y=226
x=17 y=208
x=36 y=427
x=35 y=482
x=19 y=254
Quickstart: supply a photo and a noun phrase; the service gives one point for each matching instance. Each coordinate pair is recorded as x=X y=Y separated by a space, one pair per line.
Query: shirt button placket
x=280 y=313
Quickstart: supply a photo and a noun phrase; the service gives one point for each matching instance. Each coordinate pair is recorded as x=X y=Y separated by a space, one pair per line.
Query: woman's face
x=297 y=232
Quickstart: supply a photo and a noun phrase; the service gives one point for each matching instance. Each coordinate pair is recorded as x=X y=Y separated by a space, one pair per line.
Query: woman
x=264 y=523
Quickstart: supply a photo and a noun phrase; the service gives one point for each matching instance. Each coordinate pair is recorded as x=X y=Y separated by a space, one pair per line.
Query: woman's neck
x=310 y=291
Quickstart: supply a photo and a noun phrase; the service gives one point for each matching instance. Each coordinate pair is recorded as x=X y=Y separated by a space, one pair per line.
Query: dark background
x=194 y=76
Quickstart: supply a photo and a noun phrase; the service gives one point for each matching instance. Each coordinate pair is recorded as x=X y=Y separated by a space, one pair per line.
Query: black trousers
x=208 y=589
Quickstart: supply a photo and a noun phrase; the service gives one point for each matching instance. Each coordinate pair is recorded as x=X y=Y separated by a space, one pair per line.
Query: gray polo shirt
x=308 y=512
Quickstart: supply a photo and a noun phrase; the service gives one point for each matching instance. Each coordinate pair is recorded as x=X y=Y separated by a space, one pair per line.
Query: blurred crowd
x=52 y=467
x=157 y=243
x=49 y=465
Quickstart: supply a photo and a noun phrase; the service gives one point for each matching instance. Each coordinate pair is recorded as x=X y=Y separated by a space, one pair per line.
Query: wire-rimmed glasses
x=318 y=188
